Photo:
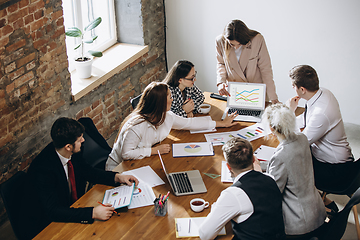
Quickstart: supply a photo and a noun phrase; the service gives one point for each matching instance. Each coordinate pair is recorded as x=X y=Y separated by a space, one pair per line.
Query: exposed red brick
x=23 y=3
x=52 y=46
x=16 y=74
x=11 y=67
x=23 y=90
x=2 y=22
x=2 y=93
x=38 y=24
x=3 y=13
x=35 y=6
x=135 y=62
x=13 y=7
x=60 y=22
x=58 y=105
x=56 y=15
x=86 y=110
x=4 y=41
x=39 y=43
x=58 y=33
x=16 y=45
x=18 y=24
x=2 y=103
x=10 y=87
x=28 y=19
x=23 y=79
x=95 y=104
x=4 y=140
x=25 y=59
x=6 y=30
x=38 y=14
x=17 y=15
x=80 y=114
x=111 y=108
x=49 y=28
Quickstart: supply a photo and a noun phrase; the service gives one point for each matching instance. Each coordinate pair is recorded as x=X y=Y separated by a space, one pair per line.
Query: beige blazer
x=254 y=65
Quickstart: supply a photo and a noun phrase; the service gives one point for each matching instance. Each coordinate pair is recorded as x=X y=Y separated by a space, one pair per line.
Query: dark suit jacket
x=48 y=179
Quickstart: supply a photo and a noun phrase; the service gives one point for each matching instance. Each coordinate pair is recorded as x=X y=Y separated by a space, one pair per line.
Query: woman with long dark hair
x=150 y=123
x=242 y=56
x=187 y=97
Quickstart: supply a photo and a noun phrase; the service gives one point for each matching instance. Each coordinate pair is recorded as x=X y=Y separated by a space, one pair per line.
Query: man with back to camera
x=253 y=203
x=334 y=166
x=59 y=174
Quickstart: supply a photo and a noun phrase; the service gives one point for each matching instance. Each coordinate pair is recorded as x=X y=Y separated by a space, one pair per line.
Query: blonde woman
x=291 y=167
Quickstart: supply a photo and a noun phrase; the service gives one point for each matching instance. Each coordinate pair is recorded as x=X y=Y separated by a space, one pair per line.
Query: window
x=79 y=13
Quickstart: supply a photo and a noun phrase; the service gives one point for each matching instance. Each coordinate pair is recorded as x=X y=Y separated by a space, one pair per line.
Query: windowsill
x=113 y=61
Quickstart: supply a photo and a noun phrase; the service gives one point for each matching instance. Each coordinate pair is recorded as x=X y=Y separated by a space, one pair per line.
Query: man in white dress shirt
x=252 y=203
x=334 y=166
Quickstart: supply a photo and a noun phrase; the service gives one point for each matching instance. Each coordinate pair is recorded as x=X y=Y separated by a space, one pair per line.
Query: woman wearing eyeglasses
x=242 y=56
x=187 y=97
x=150 y=123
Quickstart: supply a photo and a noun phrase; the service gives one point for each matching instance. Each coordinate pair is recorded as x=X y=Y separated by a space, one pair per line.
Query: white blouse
x=135 y=140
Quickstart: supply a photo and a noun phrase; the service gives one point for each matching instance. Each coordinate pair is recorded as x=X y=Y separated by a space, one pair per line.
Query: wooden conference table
x=141 y=223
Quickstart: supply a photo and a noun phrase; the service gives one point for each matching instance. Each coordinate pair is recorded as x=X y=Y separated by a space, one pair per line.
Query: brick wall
x=35 y=87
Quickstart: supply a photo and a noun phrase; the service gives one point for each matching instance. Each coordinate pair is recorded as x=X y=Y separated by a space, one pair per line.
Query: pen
x=189 y=224
x=167 y=195
x=105 y=206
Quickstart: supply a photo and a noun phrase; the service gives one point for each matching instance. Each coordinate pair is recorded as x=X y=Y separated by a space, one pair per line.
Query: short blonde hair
x=281 y=119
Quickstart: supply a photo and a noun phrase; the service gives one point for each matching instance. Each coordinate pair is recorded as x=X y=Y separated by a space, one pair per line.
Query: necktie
x=72 y=181
x=305 y=115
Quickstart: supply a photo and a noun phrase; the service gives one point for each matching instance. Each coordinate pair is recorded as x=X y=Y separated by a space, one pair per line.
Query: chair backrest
x=95 y=149
x=336 y=227
x=19 y=203
x=134 y=101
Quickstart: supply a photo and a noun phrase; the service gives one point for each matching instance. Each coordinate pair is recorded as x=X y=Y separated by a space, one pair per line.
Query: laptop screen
x=246 y=95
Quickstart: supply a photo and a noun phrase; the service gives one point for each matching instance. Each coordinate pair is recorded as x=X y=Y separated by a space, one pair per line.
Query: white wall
x=322 y=33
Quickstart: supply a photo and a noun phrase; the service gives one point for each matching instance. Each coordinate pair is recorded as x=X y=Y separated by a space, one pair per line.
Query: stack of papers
x=264 y=154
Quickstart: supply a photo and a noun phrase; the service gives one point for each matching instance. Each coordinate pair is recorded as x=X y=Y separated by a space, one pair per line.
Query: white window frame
x=76 y=20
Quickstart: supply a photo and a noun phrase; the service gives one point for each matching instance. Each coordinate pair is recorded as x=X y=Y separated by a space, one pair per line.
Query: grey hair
x=281 y=119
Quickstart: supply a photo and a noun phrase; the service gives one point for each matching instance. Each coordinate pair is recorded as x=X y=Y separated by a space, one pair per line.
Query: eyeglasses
x=191 y=79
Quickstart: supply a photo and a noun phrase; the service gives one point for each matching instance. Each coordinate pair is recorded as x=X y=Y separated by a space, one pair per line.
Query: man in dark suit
x=58 y=176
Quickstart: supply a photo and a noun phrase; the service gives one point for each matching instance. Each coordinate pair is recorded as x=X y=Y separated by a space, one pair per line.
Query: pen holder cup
x=160 y=209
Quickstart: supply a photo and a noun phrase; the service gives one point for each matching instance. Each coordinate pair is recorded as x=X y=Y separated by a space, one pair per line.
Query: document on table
x=120 y=196
x=192 y=149
x=225 y=173
x=221 y=138
x=189 y=227
x=253 y=132
x=143 y=195
x=264 y=154
x=147 y=174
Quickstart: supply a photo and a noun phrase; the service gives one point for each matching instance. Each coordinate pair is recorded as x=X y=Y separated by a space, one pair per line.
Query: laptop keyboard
x=246 y=112
x=182 y=182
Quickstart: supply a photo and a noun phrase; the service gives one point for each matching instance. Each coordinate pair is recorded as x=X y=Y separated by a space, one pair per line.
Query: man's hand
x=128 y=179
x=188 y=105
x=190 y=115
x=275 y=101
x=222 y=89
x=163 y=148
x=103 y=213
x=292 y=103
x=256 y=164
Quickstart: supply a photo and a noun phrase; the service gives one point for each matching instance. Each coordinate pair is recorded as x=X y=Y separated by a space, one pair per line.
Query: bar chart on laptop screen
x=246 y=95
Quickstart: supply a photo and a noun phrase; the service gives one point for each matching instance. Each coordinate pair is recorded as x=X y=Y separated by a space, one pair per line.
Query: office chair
x=335 y=228
x=20 y=206
x=134 y=101
x=349 y=191
x=95 y=149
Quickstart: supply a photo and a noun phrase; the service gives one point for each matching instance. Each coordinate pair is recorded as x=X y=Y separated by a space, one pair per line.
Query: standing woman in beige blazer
x=242 y=56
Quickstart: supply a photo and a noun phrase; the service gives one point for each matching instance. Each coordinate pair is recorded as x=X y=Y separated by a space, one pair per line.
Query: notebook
x=184 y=183
x=248 y=99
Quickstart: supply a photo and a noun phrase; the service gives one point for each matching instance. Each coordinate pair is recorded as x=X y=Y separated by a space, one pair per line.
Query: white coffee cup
x=198 y=204
x=204 y=108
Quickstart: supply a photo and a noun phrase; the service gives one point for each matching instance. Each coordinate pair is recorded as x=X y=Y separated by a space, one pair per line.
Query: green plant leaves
x=95 y=53
x=93 y=24
x=73 y=32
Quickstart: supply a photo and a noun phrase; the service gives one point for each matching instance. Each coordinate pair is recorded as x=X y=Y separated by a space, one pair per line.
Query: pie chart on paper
x=192 y=148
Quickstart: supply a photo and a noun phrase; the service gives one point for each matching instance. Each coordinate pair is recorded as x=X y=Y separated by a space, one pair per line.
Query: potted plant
x=83 y=64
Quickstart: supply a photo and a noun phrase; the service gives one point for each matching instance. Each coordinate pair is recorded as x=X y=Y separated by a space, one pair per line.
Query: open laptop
x=185 y=183
x=248 y=99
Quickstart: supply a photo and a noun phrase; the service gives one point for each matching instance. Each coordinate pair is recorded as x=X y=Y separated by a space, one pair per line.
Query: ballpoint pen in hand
x=106 y=206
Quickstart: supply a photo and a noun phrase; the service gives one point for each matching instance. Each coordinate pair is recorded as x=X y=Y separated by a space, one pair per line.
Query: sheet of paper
x=264 y=154
x=218 y=139
x=225 y=173
x=120 y=196
x=205 y=130
x=189 y=227
x=253 y=132
x=193 y=149
x=143 y=195
x=147 y=174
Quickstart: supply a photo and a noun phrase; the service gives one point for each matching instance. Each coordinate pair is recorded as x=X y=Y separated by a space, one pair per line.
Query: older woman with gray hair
x=291 y=167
